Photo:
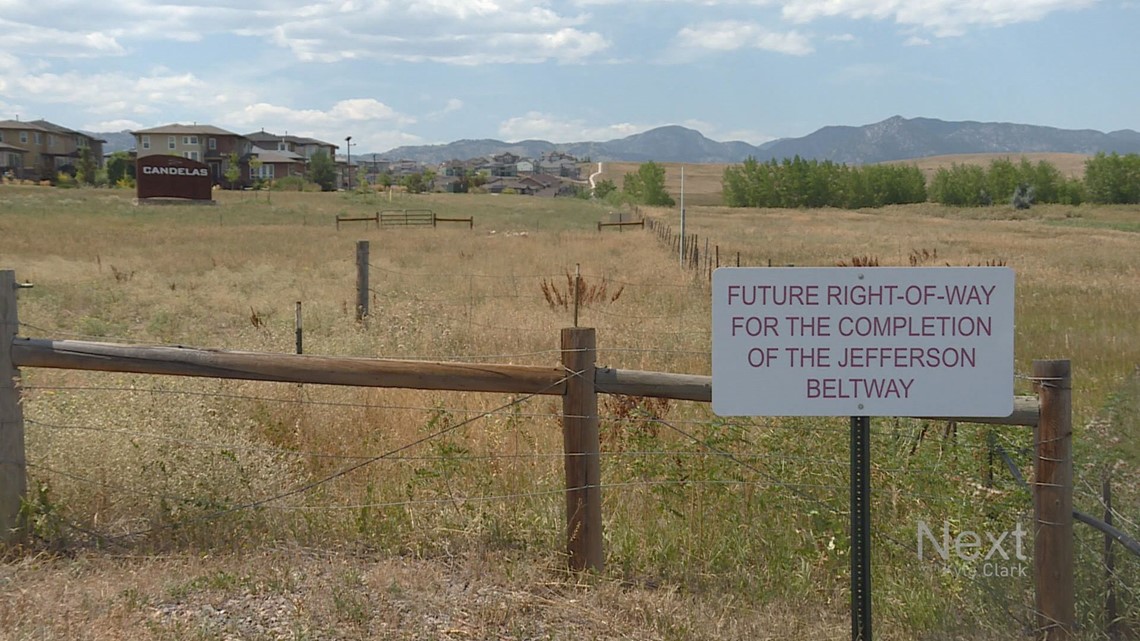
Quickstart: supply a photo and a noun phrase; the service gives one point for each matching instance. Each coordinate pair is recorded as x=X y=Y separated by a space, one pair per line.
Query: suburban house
x=534 y=185
x=204 y=143
x=38 y=149
x=303 y=147
x=559 y=164
x=283 y=155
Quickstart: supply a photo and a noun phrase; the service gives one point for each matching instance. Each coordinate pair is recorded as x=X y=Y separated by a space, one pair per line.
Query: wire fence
x=125 y=459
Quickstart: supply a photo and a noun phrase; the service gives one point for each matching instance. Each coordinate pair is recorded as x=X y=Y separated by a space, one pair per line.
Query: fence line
x=578 y=381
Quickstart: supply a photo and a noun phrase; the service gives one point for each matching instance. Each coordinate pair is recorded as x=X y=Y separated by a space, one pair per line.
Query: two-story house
x=559 y=164
x=38 y=150
x=204 y=143
x=285 y=155
x=303 y=147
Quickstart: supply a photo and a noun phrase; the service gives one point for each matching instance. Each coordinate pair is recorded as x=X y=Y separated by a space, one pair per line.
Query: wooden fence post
x=13 y=464
x=581 y=451
x=361 y=279
x=1053 y=500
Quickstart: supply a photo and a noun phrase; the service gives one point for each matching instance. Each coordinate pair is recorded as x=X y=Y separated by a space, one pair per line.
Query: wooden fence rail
x=375 y=218
x=404 y=217
x=620 y=225
x=578 y=381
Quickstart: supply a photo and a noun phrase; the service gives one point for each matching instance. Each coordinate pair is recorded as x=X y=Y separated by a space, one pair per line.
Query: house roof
x=265 y=136
x=20 y=124
x=274 y=156
x=7 y=147
x=176 y=129
x=60 y=129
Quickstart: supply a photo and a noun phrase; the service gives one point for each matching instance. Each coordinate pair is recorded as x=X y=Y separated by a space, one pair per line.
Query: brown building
x=38 y=150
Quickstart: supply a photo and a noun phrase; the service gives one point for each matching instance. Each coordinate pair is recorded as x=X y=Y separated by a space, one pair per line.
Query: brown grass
x=405 y=548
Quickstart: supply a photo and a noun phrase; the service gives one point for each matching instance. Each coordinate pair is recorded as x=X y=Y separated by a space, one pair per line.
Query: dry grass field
x=167 y=508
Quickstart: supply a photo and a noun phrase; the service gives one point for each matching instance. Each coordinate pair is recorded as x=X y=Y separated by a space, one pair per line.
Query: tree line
x=796 y=182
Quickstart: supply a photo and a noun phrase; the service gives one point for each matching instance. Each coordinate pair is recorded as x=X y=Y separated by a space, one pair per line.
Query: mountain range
x=895 y=138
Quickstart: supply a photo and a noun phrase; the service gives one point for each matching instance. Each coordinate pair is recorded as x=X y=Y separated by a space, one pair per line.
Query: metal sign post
x=860 y=528
x=888 y=341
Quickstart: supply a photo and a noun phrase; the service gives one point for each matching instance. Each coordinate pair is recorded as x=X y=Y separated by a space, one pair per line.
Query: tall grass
x=749 y=511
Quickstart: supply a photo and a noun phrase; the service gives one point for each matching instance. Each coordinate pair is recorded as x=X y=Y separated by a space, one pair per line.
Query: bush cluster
x=1019 y=184
x=1109 y=179
x=1113 y=179
x=809 y=183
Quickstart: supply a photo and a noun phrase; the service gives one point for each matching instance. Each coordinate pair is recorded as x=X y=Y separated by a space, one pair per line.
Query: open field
x=138 y=479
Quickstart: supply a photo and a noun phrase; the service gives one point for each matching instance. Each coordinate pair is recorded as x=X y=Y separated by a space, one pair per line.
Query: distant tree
x=233 y=170
x=604 y=188
x=386 y=180
x=648 y=185
x=362 y=184
x=119 y=167
x=86 y=168
x=414 y=183
x=961 y=186
x=322 y=171
x=1002 y=179
x=255 y=165
x=1113 y=179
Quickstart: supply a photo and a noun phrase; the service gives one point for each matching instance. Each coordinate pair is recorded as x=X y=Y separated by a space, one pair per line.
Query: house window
x=80 y=142
x=212 y=144
x=51 y=140
x=39 y=138
x=146 y=142
x=264 y=171
x=192 y=155
x=172 y=142
x=281 y=147
x=189 y=140
x=24 y=137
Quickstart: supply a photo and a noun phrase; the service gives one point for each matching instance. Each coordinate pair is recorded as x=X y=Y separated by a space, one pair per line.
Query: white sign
x=853 y=341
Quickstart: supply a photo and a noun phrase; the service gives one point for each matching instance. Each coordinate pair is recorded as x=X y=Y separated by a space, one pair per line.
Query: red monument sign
x=173 y=177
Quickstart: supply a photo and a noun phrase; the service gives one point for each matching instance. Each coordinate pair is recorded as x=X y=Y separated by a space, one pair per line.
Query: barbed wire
x=305 y=487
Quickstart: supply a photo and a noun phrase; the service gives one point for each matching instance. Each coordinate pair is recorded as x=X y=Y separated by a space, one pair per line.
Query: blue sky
x=432 y=71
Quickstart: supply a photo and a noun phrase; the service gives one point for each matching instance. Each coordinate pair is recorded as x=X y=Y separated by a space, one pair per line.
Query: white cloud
x=449 y=31
x=373 y=125
x=109 y=92
x=120 y=124
x=843 y=37
x=941 y=17
x=732 y=35
x=453 y=105
x=342 y=113
x=536 y=125
x=916 y=41
x=56 y=43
